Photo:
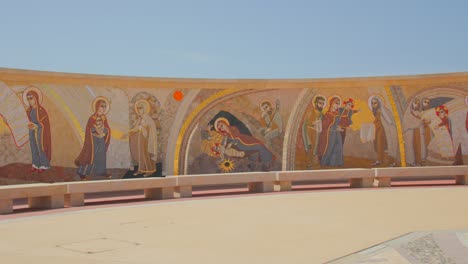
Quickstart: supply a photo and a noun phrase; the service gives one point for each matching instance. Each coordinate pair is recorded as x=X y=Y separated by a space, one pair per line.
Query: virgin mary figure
x=233 y=138
x=330 y=147
x=92 y=159
x=143 y=140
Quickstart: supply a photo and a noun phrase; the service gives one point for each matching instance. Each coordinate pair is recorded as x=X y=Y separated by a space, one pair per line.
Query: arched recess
x=438 y=91
x=182 y=147
x=13 y=114
x=292 y=128
x=457 y=107
x=176 y=126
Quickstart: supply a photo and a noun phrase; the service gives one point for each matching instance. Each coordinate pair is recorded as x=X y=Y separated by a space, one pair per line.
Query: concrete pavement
x=293 y=227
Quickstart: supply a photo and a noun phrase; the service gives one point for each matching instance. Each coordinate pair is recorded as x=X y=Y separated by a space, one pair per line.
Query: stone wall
x=53 y=128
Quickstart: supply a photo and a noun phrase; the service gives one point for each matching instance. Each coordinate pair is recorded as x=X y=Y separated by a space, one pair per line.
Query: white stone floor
x=292 y=227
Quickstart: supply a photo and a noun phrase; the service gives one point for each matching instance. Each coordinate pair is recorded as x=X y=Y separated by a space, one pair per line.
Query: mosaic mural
x=68 y=132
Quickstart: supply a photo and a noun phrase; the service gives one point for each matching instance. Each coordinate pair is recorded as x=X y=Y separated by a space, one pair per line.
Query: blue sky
x=236 y=39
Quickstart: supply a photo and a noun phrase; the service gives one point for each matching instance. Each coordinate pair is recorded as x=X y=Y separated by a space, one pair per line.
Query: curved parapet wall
x=58 y=127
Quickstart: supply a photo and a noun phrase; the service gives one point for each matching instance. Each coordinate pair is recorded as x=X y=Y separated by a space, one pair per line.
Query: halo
x=441 y=107
x=99 y=98
x=335 y=95
x=217 y=121
x=324 y=98
x=379 y=97
x=145 y=102
x=29 y=89
x=265 y=101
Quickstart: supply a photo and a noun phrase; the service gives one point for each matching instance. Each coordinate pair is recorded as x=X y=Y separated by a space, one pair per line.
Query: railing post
x=384 y=181
x=160 y=193
x=6 y=206
x=47 y=202
x=461 y=179
x=285 y=186
x=361 y=182
x=74 y=199
x=185 y=191
x=268 y=186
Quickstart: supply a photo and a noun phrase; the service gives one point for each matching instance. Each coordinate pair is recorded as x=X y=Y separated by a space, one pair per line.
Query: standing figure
x=143 y=140
x=380 y=138
x=426 y=105
x=441 y=146
x=414 y=134
x=346 y=113
x=39 y=130
x=92 y=158
x=330 y=148
x=272 y=123
x=311 y=129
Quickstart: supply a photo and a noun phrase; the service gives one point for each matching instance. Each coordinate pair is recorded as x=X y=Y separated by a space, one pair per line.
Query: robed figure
x=39 y=130
x=311 y=130
x=381 y=120
x=92 y=159
x=441 y=145
x=330 y=146
x=413 y=134
x=272 y=122
x=233 y=138
x=143 y=140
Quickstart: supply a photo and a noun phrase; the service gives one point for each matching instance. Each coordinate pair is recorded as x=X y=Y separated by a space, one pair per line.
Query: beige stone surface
x=261 y=186
x=226 y=178
x=160 y=193
x=285 y=186
x=304 y=227
x=47 y=202
x=462 y=179
x=74 y=199
x=422 y=171
x=32 y=190
x=6 y=206
x=384 y=181
x=361 y=182
x=113 y=185
x=184 y=191
x=330 y=174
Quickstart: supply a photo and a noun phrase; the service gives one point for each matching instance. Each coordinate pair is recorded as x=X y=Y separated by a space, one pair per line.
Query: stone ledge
x=227 y=178
x=333 y=174
x=422 y=171
x=120 y=185
x=32 y=190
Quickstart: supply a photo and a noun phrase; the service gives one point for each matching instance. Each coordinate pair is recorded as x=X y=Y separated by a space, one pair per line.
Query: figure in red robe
x=242 y=142
x=92 y=158
x=442 y=113
x=330 y=147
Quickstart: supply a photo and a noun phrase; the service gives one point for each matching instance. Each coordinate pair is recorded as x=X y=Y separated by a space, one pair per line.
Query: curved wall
x=154 y=126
